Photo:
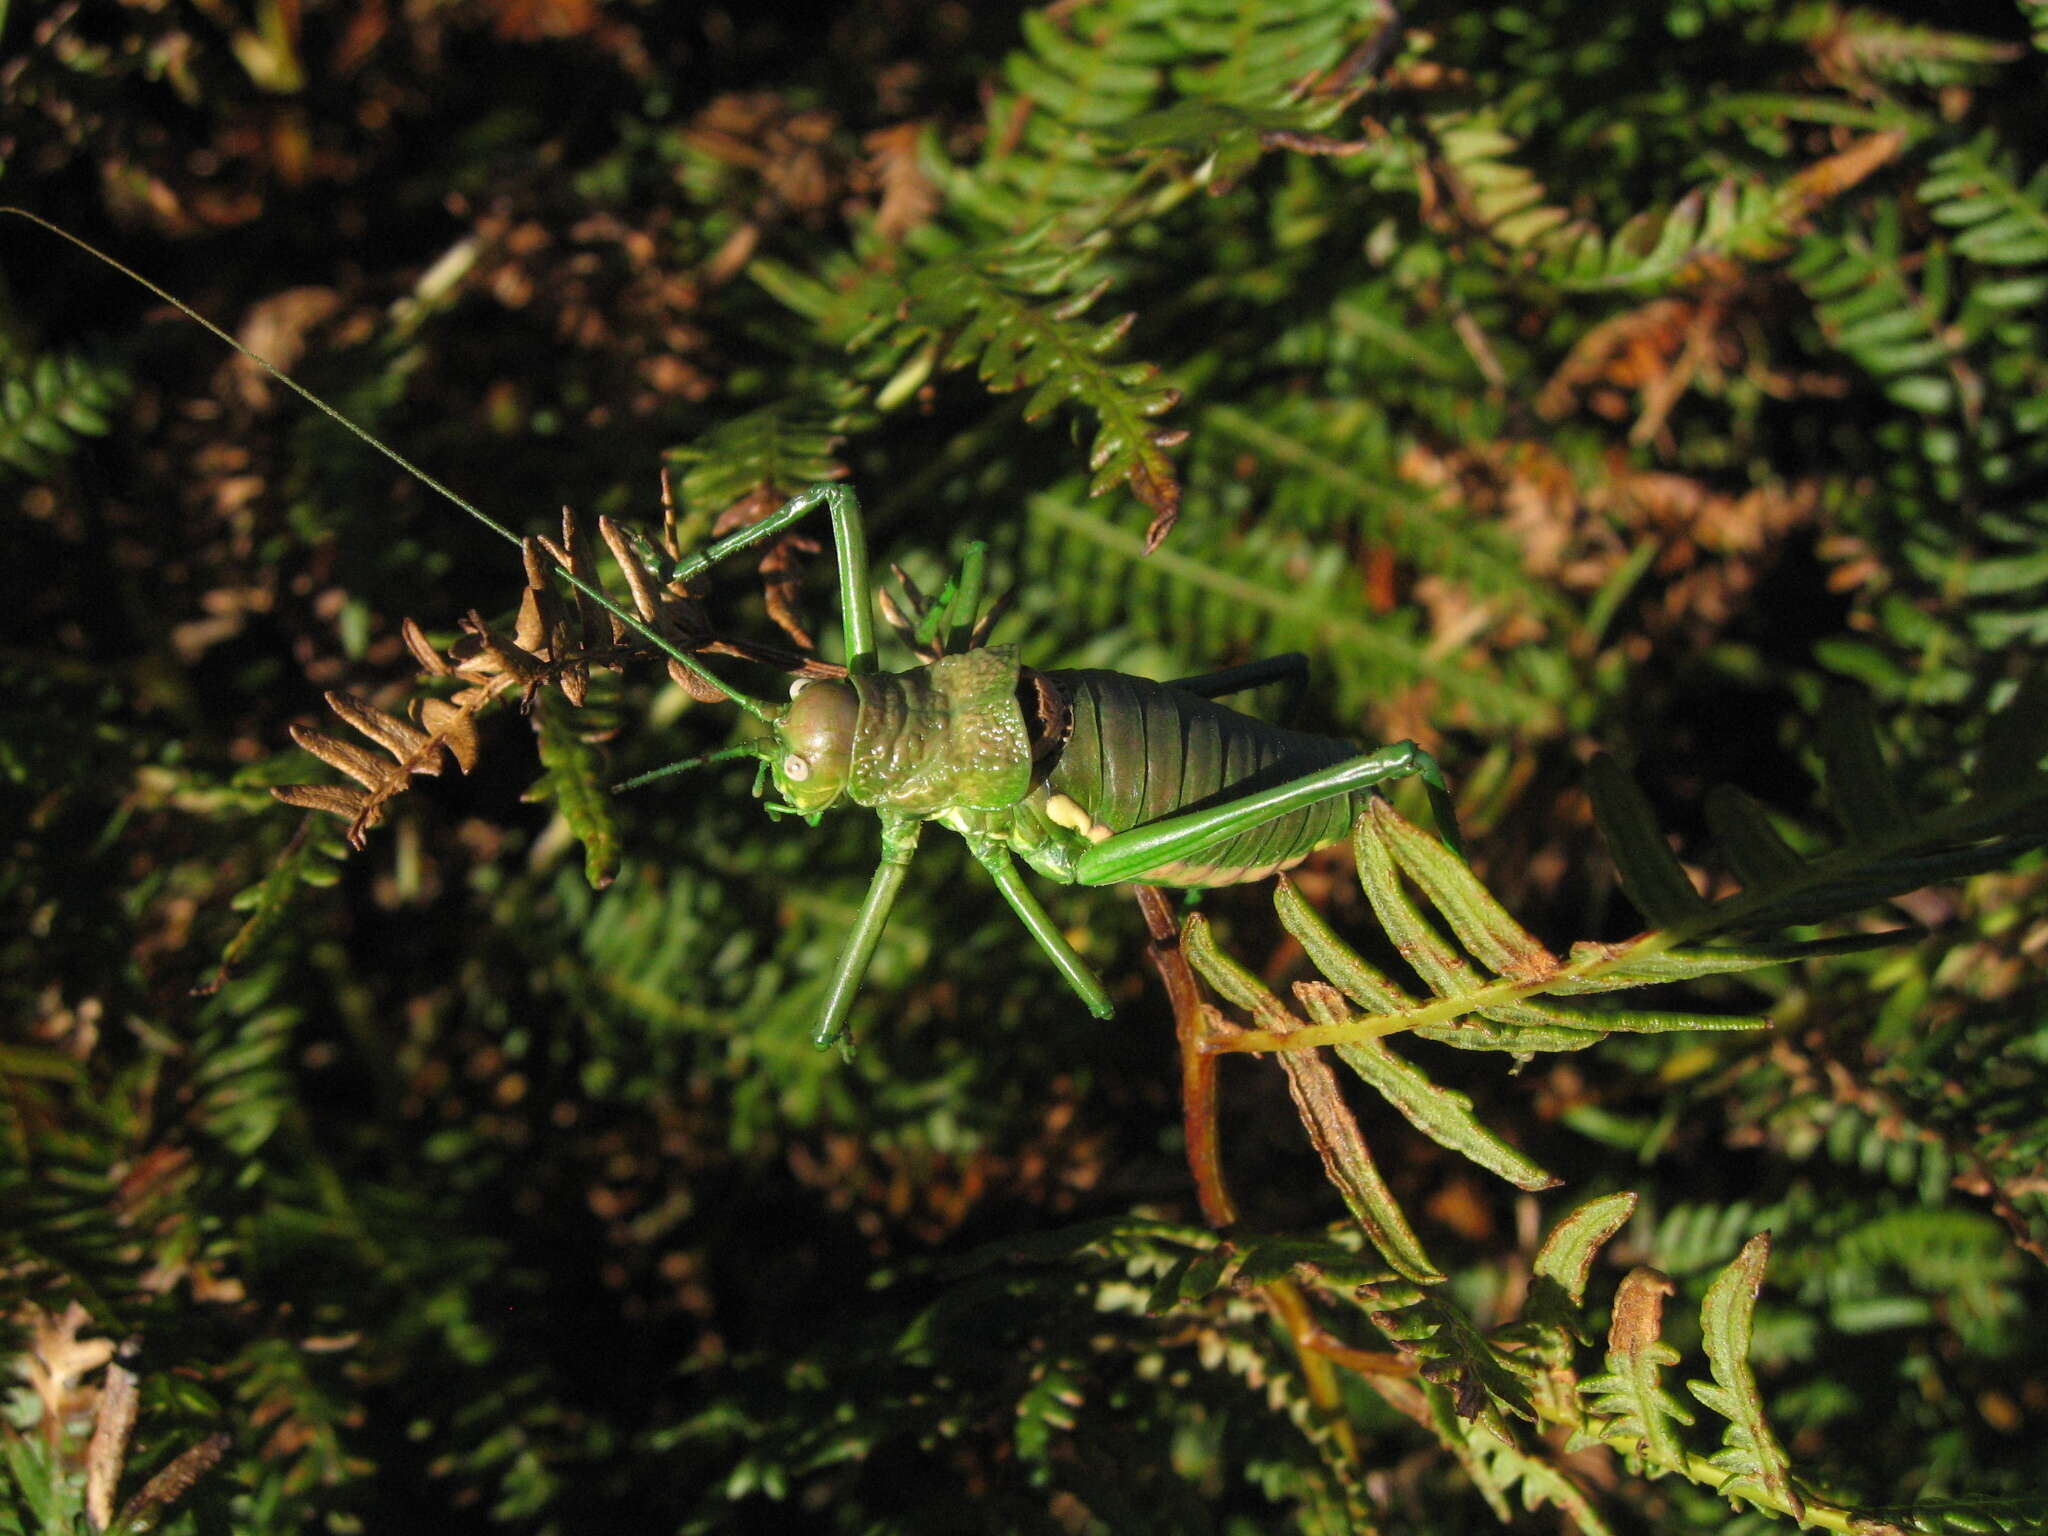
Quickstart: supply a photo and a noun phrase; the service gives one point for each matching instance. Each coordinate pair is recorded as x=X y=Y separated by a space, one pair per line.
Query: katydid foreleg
x=849 y=539
x=899 y=842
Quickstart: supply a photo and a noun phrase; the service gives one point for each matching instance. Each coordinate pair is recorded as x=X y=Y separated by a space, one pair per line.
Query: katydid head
x=814 y=744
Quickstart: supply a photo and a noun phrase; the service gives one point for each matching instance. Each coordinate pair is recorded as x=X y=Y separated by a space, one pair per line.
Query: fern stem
x=1956 y=821
x=1701 y=1470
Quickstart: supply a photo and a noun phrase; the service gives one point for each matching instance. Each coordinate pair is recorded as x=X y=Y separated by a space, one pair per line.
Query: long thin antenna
x=755 y=749
x=589 y=590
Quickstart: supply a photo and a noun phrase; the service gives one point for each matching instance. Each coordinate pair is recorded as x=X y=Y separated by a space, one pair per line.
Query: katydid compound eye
x=816 y=737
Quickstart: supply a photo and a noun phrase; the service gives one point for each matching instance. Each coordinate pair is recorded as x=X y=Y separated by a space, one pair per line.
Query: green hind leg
x=1290 y=668
x=1128 y=855
x=849 y=539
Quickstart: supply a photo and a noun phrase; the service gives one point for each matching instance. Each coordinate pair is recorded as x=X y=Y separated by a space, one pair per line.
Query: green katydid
x=1090 y=777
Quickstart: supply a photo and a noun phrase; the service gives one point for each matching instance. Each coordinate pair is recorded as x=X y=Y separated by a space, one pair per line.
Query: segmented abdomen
x=1139 y=750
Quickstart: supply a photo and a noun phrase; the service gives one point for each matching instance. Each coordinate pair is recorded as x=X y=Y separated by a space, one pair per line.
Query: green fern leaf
x=1017 y=320
x=1335 y=463
x=2003 y=220
x=1502 y=1467
x=1480 y=1377
x=576 y=781
x=782 y=447
x=2024 y=1516
x=1755 y=1464
x=1195 y=91
x=46 y=406
x=1860 y=787
x=312 y=857
x=48 y=1492
x=1265 y=594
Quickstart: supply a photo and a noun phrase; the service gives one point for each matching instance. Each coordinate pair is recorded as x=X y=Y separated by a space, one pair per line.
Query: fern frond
x=548 y=648
x=1004 y=286
x=1566 y=1257
x=780 y=448
x=313 y=1421
x=1442 y=1114
x=1194 y=1264
x=1504 y=1468
x=243 y=1087
x=738 y=474
x=1500 y=1007
x=1630 y=1400
x=449 y=732
x=1481 y=1377
x=308 y=859
x=1332 y=463
x=1890 y=848
x=47 y=405
x=1756 y=1465
x=1904 y=315
x=1039 y=157
x=1958 y=1260
x=1861 y=46
x=1964 y=1517
x=577 y=781
x=1270 y=595
x=1735 y=222
x=59 y=1221
x=1195 y=91
x=1016 y=316
x=1689 y=1239
x=1347 y=1160
x=1553 y=1325
x=1470 y=1012
x=2003 y=220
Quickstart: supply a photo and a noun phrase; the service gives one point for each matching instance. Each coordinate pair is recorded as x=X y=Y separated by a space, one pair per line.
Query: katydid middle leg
x=995 y=858
x=1290 y=667
x=1128 y=855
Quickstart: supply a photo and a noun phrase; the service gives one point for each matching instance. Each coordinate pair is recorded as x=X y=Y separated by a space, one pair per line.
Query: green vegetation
x=1645 y=408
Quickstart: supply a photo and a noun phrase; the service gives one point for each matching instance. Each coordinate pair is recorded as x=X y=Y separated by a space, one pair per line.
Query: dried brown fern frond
x=908 y=612
x=554 y=643
x=445 y=728
x=547 y=646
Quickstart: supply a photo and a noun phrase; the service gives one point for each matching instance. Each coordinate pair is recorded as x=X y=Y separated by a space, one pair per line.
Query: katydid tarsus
x=1090 y=777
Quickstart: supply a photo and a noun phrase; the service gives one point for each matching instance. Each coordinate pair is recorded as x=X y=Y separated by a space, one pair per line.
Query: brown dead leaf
x=107 y=1452
x=276 y=329
x=58 y=1359
x=909 y=197
x=171 y=1484
x=1827 y=179
x=1639 y=1311
x=529 y=21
